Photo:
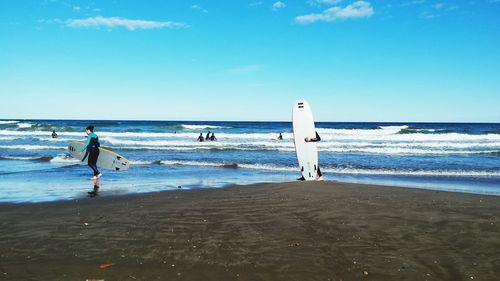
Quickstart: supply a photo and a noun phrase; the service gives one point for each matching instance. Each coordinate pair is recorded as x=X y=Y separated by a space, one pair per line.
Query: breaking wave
x=31 y=147
x=64 y=159
x=201 y=127
x=27 y=158
x=386 y=140
x=332 y=170
x=2 y=122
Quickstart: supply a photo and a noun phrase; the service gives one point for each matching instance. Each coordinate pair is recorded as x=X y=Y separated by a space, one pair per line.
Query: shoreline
x=252 y=185
x=286 y=231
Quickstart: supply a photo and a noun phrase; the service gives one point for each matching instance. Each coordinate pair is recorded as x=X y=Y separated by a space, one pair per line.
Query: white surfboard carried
x=307 y=152
x=107 y=159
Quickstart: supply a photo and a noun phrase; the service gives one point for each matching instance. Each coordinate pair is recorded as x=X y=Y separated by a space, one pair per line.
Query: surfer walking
x=91 y=148
x=315 y=139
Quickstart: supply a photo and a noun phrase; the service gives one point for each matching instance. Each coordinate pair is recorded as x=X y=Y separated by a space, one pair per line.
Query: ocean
x=165 y=155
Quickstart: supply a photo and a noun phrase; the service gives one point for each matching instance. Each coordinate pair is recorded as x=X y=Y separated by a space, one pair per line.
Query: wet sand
x=289 y=231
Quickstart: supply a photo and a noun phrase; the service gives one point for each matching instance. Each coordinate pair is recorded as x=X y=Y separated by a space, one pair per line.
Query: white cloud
x=326 y=2
x=438 y=6
x=76 y=8
x=358 y=9
x=253 y=4
x=53 y=21
x=428 y=15
x=445 y=6
x=112 y=22
x=413 y=2
x=278 y=5
x=199 y=8
x=246 y=68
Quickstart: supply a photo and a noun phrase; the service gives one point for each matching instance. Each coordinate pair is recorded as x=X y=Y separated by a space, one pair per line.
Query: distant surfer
x=54 y=135
x=91 y=148
x=201 y=138
x=212 y=137
x=280 y=137
x=315 y=139
x=208 y=136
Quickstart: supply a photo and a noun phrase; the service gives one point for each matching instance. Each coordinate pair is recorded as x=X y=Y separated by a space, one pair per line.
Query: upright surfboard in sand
x=107 y=158
x=307 y=152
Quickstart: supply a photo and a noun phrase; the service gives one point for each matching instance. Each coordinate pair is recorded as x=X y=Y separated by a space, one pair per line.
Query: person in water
x=315 y=139
x=212 y=137
x=92 y=151
x=54 y=134
x=280 y=137
x=200 y=138
x=208 y=136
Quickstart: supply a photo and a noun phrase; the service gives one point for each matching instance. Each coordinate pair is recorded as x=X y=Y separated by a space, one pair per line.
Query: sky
x=353 y=61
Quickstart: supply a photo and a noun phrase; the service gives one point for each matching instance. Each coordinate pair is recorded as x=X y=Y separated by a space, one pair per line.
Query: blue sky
x=415 y=60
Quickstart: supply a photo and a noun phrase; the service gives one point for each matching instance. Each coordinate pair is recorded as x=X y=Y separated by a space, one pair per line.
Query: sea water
x=165 y=155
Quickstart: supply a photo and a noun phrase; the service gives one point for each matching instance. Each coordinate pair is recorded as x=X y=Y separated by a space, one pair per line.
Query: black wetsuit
x=93 y=152
x=316 y=139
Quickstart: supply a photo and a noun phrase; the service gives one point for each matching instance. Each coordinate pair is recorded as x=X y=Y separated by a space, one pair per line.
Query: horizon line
x=249 y=121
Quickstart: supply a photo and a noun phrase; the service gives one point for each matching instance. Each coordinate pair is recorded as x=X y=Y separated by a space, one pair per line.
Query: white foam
x=141 y=162
x=351 y=171
x=383 y=130
x=228 y=164
x=201 y=127
x=385 y=140
x=153 y=143
x=405 y=151
x=24 y=125
x=447 y=173
x=31 y=147
x=326 y=134
x=415 y=137
x=20 y=157
x=194 y=143
x=189 y=163
x=64 y=159
x=337 y=146
x=200 y=148
x=80 y=136
x=8 y=122
x=440 y=145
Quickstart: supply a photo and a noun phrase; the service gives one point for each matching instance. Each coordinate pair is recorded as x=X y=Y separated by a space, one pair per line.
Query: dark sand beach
x=289 y=231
